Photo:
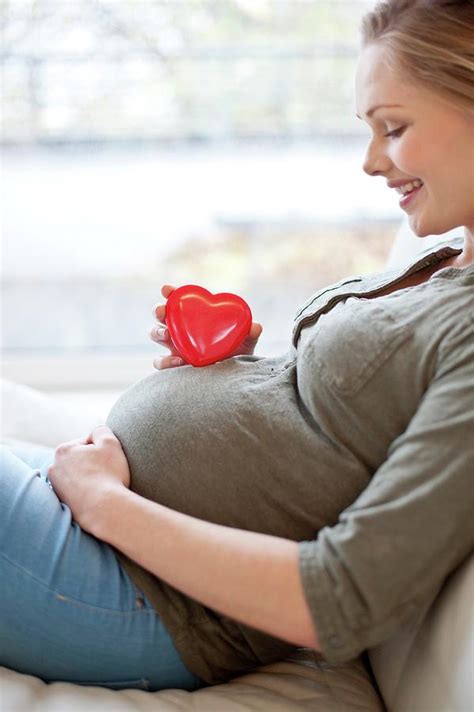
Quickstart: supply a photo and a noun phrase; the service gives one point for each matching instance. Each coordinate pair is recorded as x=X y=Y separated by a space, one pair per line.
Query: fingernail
x=176 y=361
x=162 y=332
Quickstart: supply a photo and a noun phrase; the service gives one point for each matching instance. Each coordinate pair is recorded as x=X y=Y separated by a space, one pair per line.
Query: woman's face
x=429 y=141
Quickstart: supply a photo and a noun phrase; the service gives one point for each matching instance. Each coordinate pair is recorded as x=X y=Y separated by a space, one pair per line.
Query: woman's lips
x=408 y=198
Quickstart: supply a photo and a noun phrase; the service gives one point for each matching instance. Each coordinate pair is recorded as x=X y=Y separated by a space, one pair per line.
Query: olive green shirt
x=357 y=443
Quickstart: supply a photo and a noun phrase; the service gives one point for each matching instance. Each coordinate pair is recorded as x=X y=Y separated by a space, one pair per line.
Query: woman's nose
x=376 y=161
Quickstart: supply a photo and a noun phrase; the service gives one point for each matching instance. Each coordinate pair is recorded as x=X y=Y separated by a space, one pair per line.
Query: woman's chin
x=418 y=229
x=425 y=228
x=422 y=228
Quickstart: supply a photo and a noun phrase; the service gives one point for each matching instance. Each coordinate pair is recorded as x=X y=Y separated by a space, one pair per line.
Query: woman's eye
x=396 y=132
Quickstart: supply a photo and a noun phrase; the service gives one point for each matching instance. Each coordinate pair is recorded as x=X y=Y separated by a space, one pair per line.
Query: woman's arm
x=252 y=578
x=383 y=563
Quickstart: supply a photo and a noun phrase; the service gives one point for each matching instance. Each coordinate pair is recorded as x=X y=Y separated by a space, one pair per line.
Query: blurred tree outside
x=101 y=69
x=101 y=88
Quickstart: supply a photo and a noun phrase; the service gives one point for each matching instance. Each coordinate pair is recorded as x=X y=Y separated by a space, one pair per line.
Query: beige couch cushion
x=291 y=686
x=431 y=669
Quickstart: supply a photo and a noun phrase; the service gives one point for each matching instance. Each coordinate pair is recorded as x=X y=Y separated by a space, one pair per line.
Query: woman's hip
x=68 y=610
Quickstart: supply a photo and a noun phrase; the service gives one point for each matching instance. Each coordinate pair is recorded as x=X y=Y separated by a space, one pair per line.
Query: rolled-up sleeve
x=390 y=551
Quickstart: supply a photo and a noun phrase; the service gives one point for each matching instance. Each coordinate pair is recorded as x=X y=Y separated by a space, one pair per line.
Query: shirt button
x=335 y=641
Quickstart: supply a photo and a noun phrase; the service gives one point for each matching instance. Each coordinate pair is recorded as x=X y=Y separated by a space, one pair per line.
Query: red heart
x=206 y=327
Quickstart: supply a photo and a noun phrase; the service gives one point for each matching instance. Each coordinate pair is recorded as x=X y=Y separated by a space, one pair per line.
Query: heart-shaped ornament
x=206 y=327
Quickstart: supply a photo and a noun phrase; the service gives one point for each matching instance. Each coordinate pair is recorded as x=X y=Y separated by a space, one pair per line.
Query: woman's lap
x=68 y=610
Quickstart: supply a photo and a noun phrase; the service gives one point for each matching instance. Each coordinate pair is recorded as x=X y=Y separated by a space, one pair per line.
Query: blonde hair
x=430 y=42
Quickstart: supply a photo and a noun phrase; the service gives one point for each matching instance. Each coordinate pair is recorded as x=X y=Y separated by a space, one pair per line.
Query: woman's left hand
x=87 y=470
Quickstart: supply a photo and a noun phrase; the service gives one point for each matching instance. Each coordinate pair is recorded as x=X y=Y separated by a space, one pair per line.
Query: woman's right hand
x=160 y=334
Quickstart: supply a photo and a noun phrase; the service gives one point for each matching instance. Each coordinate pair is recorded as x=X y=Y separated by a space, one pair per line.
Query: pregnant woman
x=226 y=515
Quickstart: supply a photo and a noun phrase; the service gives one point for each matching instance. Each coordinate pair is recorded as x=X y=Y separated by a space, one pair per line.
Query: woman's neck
x=466 y=257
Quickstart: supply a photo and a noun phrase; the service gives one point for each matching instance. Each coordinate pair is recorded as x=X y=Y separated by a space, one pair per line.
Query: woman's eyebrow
x=375 y=108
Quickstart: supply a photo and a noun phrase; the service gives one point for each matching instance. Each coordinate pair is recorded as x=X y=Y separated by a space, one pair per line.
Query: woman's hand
x=86 y=470
x=161 y=335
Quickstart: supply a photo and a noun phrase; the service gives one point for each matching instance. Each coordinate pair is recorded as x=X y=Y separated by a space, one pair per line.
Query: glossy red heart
x=206 y=327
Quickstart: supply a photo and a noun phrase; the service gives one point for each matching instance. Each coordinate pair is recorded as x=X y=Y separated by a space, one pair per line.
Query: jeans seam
x=81 y=604
x=62 y=597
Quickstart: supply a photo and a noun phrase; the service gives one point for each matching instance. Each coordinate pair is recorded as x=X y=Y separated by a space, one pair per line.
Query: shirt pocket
x=352 y=342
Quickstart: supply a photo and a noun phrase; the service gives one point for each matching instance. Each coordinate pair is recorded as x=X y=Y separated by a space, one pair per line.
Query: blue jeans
x=68 y=610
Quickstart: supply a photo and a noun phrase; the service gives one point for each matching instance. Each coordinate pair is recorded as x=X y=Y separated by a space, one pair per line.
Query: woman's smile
x=406 y=199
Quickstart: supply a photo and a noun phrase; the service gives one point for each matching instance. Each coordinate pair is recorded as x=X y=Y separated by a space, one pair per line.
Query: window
x=178 y=141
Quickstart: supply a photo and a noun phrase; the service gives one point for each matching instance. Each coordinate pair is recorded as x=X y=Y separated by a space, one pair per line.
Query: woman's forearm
x=252 y=578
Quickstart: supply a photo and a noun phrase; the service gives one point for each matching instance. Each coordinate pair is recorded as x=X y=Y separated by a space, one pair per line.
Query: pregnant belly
x=228 y=444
